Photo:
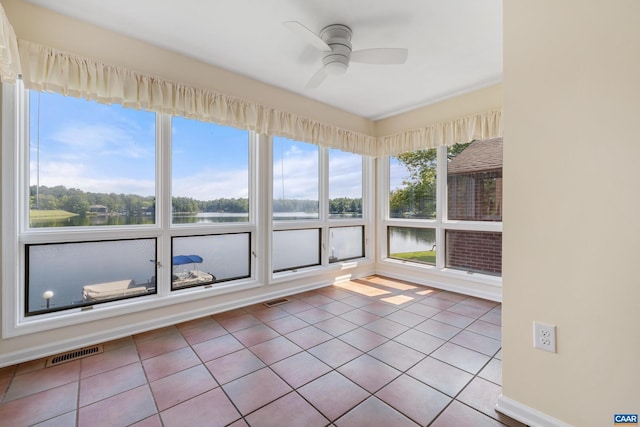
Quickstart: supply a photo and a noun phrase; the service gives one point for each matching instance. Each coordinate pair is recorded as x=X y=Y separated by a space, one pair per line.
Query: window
x=346 y=243
x=89 y=164
x=67 y=275
x=210 y=176
x=204 y=260
x=210 y=173
x=413 y=185
x=295 y=180
x=91 y=174
x=310 y=230
x=412 y=244
x=474 y=181
x=126 y=210
x=474 y=251
x=99 y=219
x=345 y=185
x=445 y=207
x=293 y=249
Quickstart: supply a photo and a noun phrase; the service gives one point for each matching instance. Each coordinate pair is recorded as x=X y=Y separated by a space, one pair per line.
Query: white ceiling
x=455 y=46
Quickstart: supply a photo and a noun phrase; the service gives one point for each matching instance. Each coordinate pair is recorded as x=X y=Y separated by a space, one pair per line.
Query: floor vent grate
x=275 y=302
x=73 y=355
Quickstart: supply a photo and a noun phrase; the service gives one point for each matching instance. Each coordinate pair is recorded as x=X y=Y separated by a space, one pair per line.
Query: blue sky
x=107 y=148
x=91 y=146
x=209 y=161
x=295 y=164
x=397 y=174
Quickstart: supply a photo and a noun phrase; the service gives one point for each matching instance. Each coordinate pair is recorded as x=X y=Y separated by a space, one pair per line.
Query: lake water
x=199 y=218
x=407 y=239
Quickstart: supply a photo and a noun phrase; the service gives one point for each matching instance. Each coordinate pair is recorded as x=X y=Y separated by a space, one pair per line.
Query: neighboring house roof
x=479 y=156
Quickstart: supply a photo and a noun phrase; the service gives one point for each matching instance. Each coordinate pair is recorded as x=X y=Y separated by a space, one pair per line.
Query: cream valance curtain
x=48 y=69
x=9 y=56
x=466 y=129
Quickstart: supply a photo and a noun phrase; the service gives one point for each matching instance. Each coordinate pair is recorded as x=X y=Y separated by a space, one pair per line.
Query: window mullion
x=23 y=160
x=163 y=200
x=441 y=205
x=382 y=191
x=264 y=189
x=323 y=196
x=12 y=267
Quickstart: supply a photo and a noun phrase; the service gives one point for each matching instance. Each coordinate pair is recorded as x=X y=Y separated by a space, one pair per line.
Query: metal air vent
x=73 y=355
x=275 y=302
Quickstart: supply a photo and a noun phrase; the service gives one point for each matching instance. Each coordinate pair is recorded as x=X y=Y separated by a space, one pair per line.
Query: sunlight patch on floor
x=389 y=283
x=361 y=288
x=398 y=299
x=427 y=292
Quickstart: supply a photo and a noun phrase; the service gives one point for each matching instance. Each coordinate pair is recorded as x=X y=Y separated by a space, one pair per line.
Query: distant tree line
x=78 y=202
x=186 y=205
x=339 y=205
x=345 y=205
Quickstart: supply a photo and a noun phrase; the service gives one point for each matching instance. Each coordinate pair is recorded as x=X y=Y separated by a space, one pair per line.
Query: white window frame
x=15 y=231
x=441 y=224
x=324 y=223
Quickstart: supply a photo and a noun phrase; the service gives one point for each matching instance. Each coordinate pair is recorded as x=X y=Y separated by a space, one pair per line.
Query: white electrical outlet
x=544 y=336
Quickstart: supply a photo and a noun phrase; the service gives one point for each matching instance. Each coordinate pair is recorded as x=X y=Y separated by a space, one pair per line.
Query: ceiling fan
x=335 y=41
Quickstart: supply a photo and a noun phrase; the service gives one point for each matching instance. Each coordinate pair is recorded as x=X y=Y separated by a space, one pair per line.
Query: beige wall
x=478 y=101
x=571 y=203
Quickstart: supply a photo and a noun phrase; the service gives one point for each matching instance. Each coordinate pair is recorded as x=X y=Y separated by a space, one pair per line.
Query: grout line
x=339 y=337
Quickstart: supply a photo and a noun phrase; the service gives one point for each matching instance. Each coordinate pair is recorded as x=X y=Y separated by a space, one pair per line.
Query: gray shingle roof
x=479 y=156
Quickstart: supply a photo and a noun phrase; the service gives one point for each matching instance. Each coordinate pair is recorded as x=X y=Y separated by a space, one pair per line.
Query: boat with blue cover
x=189 y=276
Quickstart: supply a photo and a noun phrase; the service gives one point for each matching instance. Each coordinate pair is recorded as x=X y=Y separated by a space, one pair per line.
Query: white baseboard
x=61 y=346
x=461 y=284
x=526 y=414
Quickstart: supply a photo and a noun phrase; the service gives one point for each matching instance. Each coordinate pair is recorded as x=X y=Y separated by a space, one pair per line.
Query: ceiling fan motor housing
x=338 y=37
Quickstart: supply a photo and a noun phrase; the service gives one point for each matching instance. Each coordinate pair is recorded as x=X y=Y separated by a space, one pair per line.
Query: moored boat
x=189 y=277
x=109 y=290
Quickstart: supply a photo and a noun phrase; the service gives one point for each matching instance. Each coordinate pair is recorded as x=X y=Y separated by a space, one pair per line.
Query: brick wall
x=477 y=251
x=475 y=197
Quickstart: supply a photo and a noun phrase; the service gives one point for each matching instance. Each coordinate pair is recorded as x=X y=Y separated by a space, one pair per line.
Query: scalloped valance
x=9 y=56
x=48 y=69
x=466 y=129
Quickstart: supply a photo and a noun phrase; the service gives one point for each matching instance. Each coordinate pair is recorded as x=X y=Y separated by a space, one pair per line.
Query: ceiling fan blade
x=380 y=56
x=309 y=36
x=317 y=79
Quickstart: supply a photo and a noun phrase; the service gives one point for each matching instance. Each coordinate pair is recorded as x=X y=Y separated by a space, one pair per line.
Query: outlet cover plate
x=544 y=336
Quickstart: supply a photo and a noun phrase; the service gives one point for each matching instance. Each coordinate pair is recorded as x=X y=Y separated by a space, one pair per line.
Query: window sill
x=484 y=279
x=80 y=315
x=285 y=276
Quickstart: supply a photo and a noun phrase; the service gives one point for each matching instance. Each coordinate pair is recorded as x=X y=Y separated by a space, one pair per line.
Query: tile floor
x=371 y=352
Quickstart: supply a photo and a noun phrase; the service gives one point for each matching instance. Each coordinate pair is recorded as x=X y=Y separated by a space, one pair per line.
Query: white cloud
x=345 y=175
x=96 y=158
x=210 y=185
x=119 y=158
x=78 y=175
x=297 y=173
x=90 y=140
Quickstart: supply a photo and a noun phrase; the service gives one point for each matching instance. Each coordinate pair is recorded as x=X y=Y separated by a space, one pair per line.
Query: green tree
x=77 y=203
x=417 y=196
x=185 y=205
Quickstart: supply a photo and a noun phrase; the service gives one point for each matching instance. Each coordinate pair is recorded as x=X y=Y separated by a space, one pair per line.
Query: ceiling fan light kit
x=338 y=38
x=335 y=41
